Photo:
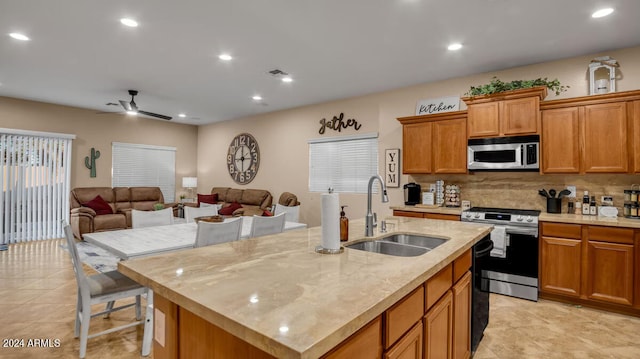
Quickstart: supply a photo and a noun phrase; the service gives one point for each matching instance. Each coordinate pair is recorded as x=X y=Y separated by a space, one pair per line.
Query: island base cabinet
x=200 y=339
x=409 y=347
x=462 y=317
x=438 y=329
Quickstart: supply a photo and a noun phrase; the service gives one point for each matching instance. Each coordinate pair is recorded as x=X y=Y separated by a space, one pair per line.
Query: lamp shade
x=189 y=182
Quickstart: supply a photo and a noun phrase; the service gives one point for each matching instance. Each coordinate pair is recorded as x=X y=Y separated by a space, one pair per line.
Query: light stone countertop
x=254 y=288
x=593 y=220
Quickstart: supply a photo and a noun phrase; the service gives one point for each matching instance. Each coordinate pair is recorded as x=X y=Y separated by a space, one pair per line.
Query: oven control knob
x=519 y=218
x=477 y=215
x=529 y=219
x=468 y=214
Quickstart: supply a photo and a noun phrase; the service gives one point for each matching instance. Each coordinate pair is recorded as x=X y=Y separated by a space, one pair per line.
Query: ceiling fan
x=131 y=107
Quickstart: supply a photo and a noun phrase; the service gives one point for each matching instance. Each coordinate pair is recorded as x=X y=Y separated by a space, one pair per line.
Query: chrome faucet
x=368 y=230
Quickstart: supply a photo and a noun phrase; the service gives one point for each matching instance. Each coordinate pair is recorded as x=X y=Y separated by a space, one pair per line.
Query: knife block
x=554 y=205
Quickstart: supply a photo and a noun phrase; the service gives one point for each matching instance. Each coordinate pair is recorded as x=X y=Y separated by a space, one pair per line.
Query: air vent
x=111 y=104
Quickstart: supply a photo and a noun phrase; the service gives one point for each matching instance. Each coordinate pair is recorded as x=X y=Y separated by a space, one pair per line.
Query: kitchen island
x=276 y=296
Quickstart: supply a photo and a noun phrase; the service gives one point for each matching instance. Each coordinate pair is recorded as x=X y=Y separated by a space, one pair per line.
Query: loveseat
x=120 y=200
x=253 y=201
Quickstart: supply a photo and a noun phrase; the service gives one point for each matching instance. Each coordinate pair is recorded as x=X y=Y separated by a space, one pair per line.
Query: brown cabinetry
x=592 y=265
x=560 y=141
x=413 y=214
x=594 y=134
x=365 y=343
x=461 y=340
x=438 y=329
x=434 y=143
x=417 y=147
x=505 y=114
x=409 y=347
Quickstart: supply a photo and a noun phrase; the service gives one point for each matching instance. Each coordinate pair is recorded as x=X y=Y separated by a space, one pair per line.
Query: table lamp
x=190 y=183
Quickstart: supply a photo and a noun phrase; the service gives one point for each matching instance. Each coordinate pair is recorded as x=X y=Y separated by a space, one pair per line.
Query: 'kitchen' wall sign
x=338 y=123
x=437 y=105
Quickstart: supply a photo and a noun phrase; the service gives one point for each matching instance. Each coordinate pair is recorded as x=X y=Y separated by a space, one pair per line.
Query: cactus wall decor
x=91 y=163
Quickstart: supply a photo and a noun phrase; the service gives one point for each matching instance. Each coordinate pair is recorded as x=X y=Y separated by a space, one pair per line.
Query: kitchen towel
x=500 y=242
x=330 y=221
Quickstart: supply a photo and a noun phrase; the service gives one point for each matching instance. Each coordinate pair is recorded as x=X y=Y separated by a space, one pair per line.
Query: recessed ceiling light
x=182 y=115
x=19 y=36
x=225 y=57
x=287 y=79
x=455 y=46
x=129 y=22
x=257 y=97
x=602 y=12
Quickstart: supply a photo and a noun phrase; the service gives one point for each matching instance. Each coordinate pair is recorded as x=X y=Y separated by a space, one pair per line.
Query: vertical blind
x=343 y=163
x=136 y=165
x=35 y=182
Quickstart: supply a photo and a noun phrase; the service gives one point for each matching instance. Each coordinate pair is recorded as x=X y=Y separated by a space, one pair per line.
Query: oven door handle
x=527 y=231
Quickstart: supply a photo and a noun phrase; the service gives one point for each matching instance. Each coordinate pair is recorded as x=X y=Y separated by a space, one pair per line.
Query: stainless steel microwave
x=517 y=153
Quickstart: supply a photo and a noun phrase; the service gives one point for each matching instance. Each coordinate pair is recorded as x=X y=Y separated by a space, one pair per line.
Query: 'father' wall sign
x=338 y=123
x=437 y=105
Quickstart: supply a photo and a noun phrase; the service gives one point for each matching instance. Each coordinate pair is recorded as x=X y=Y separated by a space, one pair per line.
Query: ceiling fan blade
x=126 y=105
x=155 y=115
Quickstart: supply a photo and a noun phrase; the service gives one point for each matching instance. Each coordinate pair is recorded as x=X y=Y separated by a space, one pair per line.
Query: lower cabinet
x=461 y=340
x=591 y=265
x=438 y=329
x=409 y=347
x=365 y=343
x=444 y=216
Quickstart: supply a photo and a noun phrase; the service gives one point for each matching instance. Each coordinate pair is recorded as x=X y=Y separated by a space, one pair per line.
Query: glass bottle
x=344 y=226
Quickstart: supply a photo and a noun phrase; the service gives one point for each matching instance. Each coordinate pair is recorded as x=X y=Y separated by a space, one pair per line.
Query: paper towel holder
x=322 y=250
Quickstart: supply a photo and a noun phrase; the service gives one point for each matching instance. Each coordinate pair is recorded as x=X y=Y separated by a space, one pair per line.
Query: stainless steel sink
x=401 y=245
x=415 y=240
x=390 y=248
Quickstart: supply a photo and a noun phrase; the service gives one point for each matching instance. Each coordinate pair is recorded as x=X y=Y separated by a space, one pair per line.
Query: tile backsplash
x=520 y=189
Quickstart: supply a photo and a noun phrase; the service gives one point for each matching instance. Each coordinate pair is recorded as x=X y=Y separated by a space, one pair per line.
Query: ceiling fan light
x=132 y=113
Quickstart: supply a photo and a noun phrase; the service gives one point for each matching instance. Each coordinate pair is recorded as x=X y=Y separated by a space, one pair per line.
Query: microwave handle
x=520 y=154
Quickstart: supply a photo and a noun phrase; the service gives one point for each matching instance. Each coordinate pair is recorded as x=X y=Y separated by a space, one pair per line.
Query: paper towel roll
x=330 y=218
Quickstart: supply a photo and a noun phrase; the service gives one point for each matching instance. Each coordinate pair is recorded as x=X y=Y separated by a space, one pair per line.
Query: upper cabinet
x=505 y=114
x=592 y=134
x=434 y=143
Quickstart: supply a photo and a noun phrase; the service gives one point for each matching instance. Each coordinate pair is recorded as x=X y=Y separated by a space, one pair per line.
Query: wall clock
x=243 y=158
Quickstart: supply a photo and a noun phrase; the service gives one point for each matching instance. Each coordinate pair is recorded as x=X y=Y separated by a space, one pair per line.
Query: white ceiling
x=80 y=55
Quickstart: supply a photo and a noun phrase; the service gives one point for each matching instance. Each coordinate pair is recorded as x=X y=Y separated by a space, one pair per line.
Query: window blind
x=343 y=163
x=136 y=165
x=35 y=183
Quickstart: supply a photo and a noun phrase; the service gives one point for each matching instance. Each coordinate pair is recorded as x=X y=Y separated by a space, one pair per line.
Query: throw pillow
x=267 y=213
x=228 y=210
x=207 y=198
x=99 y=205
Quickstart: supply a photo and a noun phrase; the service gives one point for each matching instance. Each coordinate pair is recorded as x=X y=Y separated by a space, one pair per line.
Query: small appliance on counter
x=412 y=193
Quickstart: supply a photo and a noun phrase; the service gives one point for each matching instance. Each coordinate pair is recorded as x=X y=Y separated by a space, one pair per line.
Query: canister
x=627 y=210
x=634 y=210
x=627 y=195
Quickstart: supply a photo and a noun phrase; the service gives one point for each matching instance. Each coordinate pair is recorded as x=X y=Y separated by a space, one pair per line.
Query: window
x=35 y=181
x=343 y=163
x=136 y=165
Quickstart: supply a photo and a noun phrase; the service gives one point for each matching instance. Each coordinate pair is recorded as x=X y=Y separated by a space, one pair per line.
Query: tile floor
x=38 y=295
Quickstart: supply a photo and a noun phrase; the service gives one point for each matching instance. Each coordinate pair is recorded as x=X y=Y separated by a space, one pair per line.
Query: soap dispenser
x=344 y=226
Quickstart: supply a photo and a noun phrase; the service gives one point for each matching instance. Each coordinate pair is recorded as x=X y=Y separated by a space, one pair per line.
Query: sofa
x=121 y=201
x=253 y=201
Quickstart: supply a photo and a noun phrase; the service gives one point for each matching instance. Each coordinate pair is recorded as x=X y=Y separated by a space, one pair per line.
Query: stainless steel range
x=512 y=267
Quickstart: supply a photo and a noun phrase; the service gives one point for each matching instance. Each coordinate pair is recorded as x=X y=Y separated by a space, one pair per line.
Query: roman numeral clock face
x=243 y=158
